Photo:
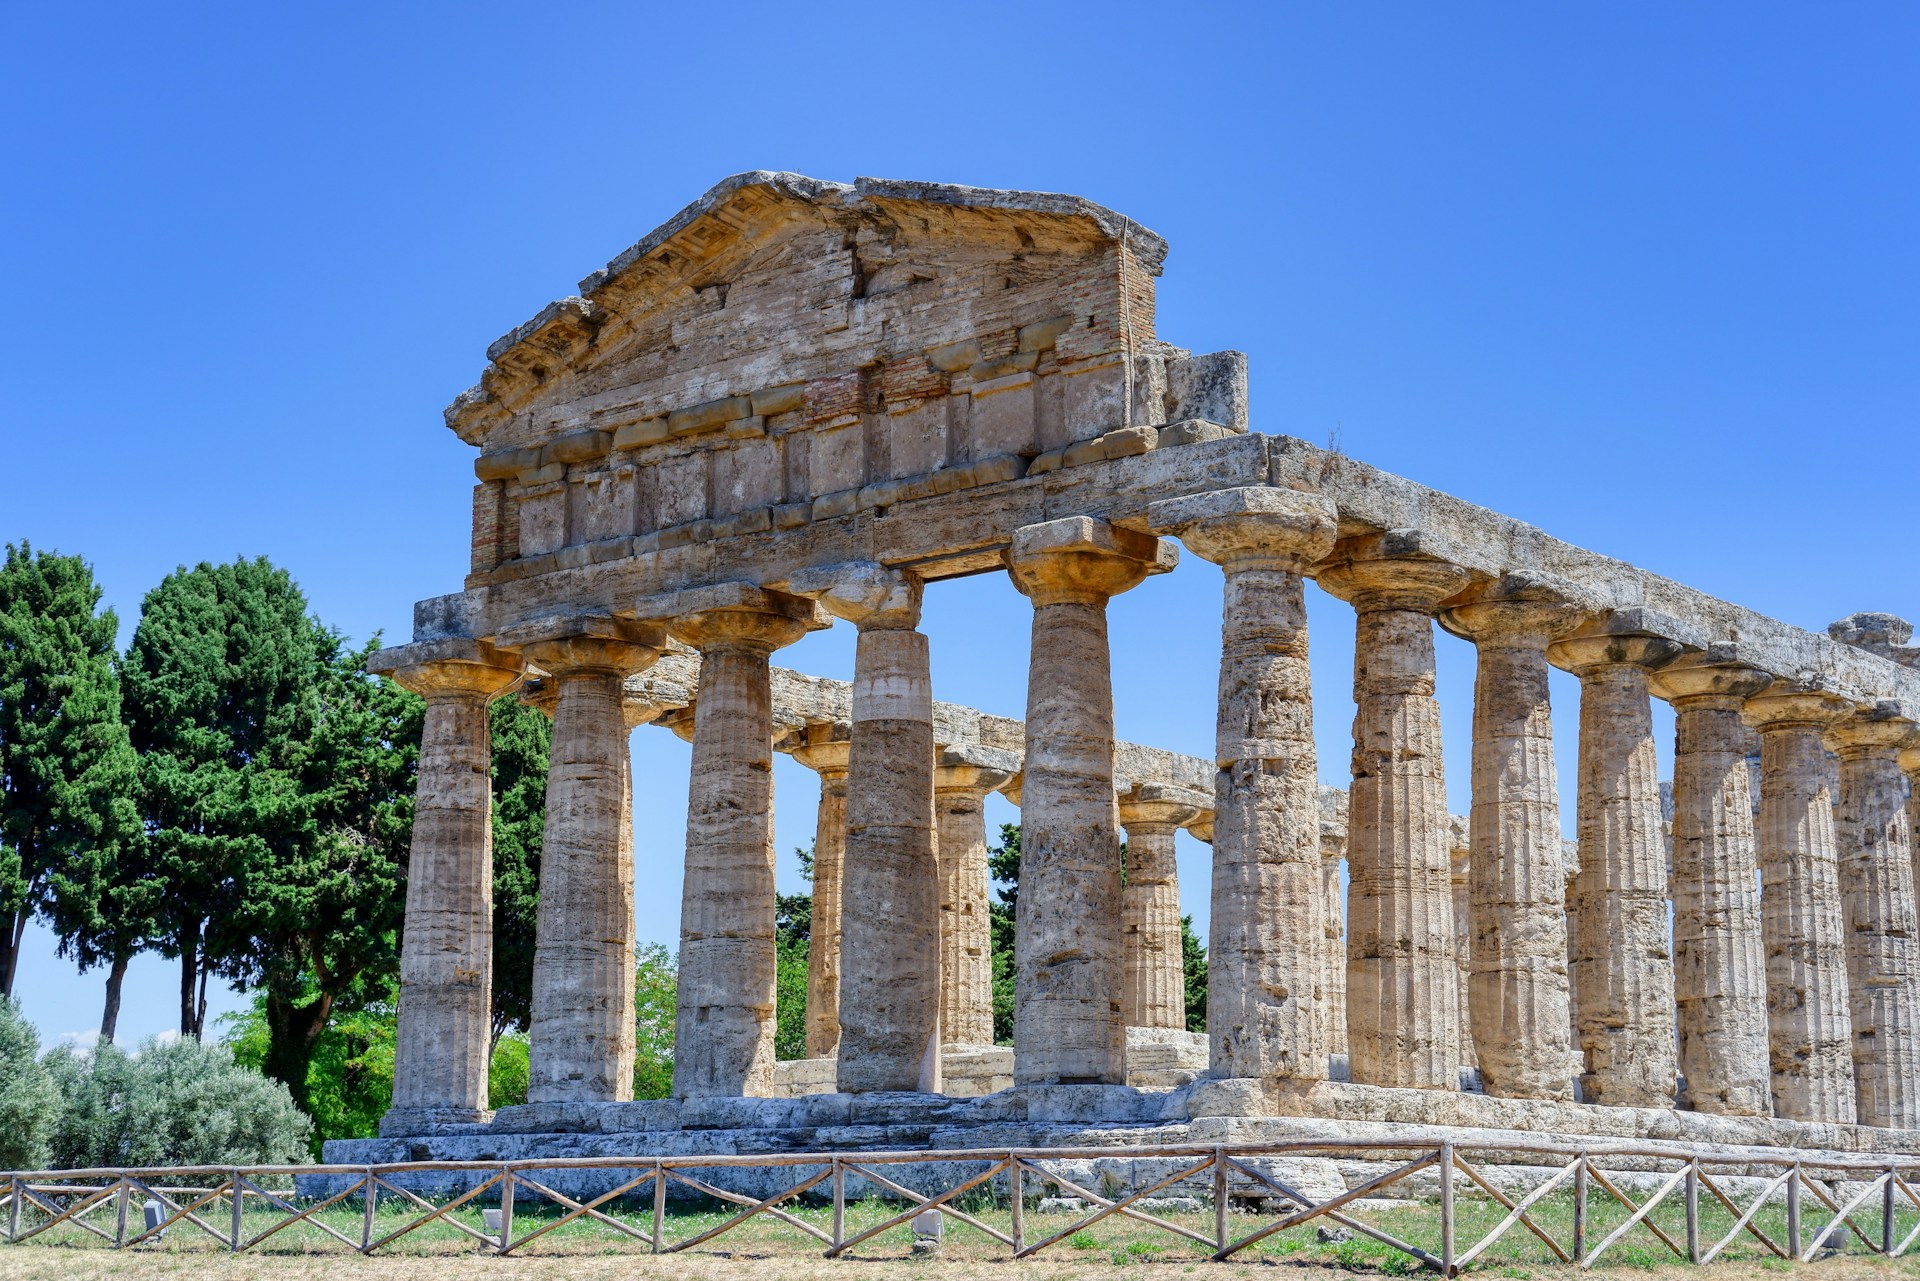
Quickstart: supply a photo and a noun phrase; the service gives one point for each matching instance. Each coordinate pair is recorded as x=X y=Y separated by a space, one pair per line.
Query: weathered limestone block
x=1621 y=963
x=1402 y=991
x=1720 y=986
x=962 y=780
x=1910 y=766
x=1883 y=936
x=581 y=1039
x=442 y=1044
x=825 y=752
x=890 y=913
x=1266 y=999
x=1802 y=922
x=724 y=1017
x=1153 y=990
x=1067 y=1027
x=1519 y=991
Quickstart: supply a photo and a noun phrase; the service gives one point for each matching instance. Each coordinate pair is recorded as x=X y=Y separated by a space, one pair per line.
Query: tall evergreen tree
x=320 y=897
x=522 y=738
x=66 y=769
x=218 y=683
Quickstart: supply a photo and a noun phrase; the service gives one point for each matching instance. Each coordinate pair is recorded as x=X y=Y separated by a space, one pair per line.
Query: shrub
x=173 y=1103
x=29 y=1102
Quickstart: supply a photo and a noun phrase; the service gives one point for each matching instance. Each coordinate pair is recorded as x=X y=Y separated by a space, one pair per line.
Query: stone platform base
x=1211 y=1112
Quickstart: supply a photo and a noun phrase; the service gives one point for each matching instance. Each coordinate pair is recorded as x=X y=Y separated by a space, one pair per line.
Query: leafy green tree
x=350 y=1078
x=175 y=1102
x=793 y=928
x=67 y=818
x=656 y=985
x=509 y=1071
x=1193 y=967
x=29 y=1099
x=522 y=738
x=1003 y=866
x=217 y=684
x=319 y=901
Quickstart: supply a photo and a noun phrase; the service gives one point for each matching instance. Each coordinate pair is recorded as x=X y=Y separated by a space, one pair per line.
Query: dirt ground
x=58 y=1264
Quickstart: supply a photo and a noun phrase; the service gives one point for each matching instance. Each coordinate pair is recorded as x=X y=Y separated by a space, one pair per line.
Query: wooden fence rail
x=215 y=1201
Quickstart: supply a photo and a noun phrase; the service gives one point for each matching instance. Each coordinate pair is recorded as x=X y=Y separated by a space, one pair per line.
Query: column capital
x=1880 y=730
x=1201 y=827
x=1910 y=765
x=974 y=769
x=1254 y=527
x=1521 y=610
x=863 y=592
x=1631 y=637
x=454 y=667
x=734 y=614
x=1081 y=560
x=567 y=643
x=1785 y=707
x=1162 y=804
x=825 y=756
x=1011 y=788
x=1395 y=569
x=1718 y=676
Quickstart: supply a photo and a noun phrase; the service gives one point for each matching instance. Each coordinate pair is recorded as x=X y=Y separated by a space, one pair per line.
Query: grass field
x=582 y=1250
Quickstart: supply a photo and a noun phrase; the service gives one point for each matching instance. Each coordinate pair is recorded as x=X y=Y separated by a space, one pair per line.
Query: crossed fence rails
x=38 y=1201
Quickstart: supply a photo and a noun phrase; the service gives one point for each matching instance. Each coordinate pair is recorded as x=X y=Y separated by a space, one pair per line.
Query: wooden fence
x=1830 y=1204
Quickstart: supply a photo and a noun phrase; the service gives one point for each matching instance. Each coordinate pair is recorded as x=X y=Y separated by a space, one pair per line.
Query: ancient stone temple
x=802 y=404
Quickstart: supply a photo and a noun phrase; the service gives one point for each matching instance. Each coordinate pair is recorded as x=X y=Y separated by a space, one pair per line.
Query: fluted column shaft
x=1334 y=958
x=1266 y=961
x=1809 y=1026
x=723 y=1026
x=581 y=1037
x=1518 y=984
x=444 y=1028
x=1067 y=1027
x=966 y=928
x=1154 y=989
x=1403 y=1006
x=829 y=760
x=1883 y=936
x=1621 y=962
x=1719 y=966
x=1461 y=856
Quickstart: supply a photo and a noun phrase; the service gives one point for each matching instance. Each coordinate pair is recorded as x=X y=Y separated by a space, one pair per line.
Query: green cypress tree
x=67 y=816
x=218 y=683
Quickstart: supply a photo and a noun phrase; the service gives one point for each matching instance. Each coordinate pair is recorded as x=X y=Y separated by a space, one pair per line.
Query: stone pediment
x=783 y=341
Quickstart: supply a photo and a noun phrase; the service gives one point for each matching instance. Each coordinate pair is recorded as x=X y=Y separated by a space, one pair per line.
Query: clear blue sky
x=1643 y=274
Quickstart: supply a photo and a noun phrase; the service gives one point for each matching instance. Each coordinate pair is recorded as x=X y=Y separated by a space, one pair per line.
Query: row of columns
x=1805 y=1013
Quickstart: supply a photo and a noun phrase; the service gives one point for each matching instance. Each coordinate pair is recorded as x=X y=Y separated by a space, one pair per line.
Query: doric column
x=1719 y=967
x=1621 y=962
x=1067 y=1025
x=1910 y=766
x=1333 y=908
x=1460 y=877
x=1802 y=925
x=581 y=1040
x=723 y=1026
x=441 y=1046
x=825 y=752
x=1883 y=937
x=1266 y=996
x=1402 y=1001
x=890 y=915
x=1153 y=989
x=961 y=782
x=1518 y=985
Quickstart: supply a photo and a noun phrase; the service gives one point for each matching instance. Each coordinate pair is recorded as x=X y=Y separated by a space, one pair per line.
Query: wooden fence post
x=1220 y=1197
x=1446 y=1209
x=369 y=1202
x=1793 y=1212
x=1580 y=1181
x=506 y=1209
x=659 y=1206
x=238 y=1205
x=1693 y=1211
